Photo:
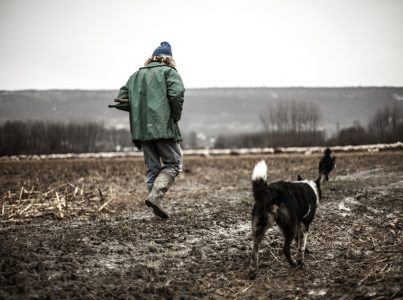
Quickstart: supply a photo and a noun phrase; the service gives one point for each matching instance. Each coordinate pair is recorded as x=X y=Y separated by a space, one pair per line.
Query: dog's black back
x=288 y=202
x=298 y=198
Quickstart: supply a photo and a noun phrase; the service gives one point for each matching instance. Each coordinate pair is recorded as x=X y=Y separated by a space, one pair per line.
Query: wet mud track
x=120 y=250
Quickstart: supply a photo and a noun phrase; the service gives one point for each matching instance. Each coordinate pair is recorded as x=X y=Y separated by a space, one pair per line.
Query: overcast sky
x=98 y=44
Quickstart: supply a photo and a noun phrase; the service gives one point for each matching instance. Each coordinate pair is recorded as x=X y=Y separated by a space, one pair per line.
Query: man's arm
x=122 y=99
x=176 y=93
x=123 y=92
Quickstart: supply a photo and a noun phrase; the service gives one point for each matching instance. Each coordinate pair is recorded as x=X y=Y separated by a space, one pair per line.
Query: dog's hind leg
x=259 y=228
x=302 y=237
x=289 y=235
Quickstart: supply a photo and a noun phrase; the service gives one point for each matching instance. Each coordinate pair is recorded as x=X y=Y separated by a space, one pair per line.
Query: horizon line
x=213 y=87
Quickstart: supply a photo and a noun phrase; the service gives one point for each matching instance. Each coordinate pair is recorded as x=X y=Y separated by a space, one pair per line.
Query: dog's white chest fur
x=313 y=187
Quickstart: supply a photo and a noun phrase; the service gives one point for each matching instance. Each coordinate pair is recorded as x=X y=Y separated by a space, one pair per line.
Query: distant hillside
x=208 y=111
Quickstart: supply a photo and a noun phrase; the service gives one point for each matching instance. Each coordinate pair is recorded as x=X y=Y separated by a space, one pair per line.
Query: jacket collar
x=153 y=64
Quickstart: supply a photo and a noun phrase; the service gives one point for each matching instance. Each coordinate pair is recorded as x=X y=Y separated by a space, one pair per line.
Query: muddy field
x=78 y=228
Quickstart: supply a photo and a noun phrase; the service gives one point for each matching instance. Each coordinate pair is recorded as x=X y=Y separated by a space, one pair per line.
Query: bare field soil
x=78 y=228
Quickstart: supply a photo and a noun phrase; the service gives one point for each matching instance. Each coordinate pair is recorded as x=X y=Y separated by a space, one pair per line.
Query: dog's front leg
x=259 y=228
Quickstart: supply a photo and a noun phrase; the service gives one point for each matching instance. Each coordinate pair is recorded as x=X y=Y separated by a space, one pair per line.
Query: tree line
x=296 y=124
x=385 y=126
x=286 y=124
x=38 y=137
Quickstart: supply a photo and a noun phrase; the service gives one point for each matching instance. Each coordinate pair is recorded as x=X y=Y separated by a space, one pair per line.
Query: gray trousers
x=164 y=154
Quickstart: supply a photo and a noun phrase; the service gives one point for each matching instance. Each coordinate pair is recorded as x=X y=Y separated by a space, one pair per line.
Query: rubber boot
x=161 y=185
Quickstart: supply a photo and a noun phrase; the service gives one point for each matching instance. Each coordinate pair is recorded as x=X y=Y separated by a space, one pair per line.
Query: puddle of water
x=342 y=206
x=320 y=292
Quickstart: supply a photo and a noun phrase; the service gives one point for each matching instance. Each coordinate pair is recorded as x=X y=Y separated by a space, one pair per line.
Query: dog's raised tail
x=260 y=172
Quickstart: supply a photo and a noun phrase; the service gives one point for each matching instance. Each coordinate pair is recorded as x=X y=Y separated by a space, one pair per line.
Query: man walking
x=155 y=96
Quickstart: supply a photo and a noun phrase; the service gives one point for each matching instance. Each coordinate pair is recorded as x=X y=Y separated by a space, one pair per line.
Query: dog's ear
x=317 y=181
x=299 y=178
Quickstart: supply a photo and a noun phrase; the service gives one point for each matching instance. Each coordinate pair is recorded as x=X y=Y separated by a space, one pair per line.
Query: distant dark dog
x=326 y=164
x=292 y=205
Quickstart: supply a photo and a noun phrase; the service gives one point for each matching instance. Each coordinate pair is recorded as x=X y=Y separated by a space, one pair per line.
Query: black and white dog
x=292 y=205
x=327 y=164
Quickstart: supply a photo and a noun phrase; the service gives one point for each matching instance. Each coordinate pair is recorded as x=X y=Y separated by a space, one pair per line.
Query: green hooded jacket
x=156 y=95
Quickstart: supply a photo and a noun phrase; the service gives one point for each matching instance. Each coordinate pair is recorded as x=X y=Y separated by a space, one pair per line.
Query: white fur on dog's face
x=260 y=171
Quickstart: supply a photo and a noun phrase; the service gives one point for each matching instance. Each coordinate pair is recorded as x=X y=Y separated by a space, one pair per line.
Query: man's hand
x=122 y=104
x=121 y=100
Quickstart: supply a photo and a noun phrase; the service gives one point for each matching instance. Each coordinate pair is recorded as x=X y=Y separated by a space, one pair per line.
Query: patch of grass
x=247 y=201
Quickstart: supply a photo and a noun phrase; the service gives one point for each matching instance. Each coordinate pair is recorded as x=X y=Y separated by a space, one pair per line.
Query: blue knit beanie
x=164 y=48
